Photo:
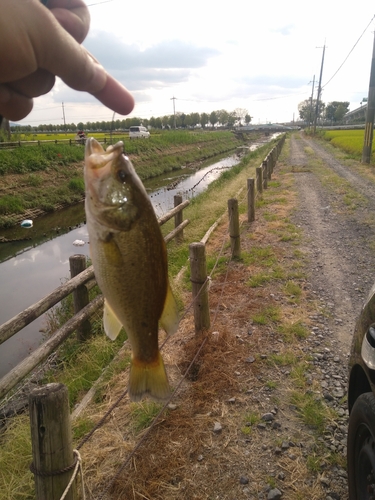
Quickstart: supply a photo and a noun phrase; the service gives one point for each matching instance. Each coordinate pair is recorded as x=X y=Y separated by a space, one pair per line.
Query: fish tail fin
x=148 y=379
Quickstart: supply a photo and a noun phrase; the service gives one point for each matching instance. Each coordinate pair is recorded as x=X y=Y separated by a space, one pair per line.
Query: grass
x=265 y=276
x=294 y=331
x=17 y=483
x=338 y=185
x=48 y=176
x=350 y=141
x=311 y=410
x=269 y=314
x=143 y=414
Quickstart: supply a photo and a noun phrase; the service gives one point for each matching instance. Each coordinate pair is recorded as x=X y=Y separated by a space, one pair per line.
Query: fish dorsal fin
x=112 y=325
x=170 y=318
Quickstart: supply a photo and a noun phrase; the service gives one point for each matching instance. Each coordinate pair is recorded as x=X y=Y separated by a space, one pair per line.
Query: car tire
x=361 y=448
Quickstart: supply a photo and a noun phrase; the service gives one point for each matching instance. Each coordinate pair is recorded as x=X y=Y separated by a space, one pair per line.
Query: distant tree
x=223 y=116
x=165 y=120
x=307 y=110
x=240 y=114
x=336 y=110
x=80 y=126
x=183 y=120
x=213 y=118
x=247 y=119
x=187 y=121
x=232 y=118
x=171 y=121
x=204 y=119
x=195 y=119
x=158 y=123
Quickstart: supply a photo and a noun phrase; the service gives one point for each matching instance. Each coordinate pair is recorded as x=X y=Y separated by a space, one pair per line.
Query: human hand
x=39 y=43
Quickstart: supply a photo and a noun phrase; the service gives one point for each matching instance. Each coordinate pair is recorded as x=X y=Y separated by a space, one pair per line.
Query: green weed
x=77 y=184
x=294 y=331
x=143 y=414
x=267 y=315
x=311 y=410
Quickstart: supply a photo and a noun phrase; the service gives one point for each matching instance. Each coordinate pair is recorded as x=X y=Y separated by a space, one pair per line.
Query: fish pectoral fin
x=111 y=323
x=170 y=318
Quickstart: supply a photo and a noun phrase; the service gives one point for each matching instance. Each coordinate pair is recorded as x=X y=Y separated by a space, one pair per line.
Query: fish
x=130 y=263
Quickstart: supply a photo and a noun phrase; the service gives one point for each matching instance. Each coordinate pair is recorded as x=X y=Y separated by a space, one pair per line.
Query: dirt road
x=339 y=237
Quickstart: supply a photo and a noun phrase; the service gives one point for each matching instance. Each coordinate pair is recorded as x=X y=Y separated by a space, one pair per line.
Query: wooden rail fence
x=70 y=142
x=53 y=455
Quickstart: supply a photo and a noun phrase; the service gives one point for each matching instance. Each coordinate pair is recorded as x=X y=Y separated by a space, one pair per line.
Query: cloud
x=285 y=30
x=113 y=53
x=271 y=83
x=169 y=62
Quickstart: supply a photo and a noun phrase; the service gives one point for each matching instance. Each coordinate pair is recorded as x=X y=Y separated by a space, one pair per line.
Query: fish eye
x=122 y=175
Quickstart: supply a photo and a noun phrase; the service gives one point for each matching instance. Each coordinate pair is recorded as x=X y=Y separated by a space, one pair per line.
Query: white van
x=138 y=132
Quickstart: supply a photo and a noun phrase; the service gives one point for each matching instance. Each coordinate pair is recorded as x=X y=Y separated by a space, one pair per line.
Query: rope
x=40 y=473
x=78 y=467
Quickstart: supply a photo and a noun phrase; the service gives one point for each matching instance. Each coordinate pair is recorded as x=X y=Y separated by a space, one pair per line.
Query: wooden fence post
x=198 y=272
x=178 y=218
x=269 y=160
x=259 y=179
x=77 y=264
x=274 y=159
x=265 y=173
x=250 y=200
x=234 y=228
x=51 y=438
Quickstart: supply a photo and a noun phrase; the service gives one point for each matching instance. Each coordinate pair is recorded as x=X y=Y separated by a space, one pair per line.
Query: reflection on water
x=27 y=278
x=31 y=269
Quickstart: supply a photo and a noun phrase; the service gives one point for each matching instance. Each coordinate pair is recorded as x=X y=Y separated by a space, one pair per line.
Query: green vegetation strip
x=48 y=177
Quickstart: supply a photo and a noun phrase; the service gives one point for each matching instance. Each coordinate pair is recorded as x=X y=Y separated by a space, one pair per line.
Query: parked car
x=361 y=402
x=138 y=132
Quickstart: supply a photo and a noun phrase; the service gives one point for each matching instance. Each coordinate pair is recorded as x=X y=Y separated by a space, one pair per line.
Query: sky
x=210 y=55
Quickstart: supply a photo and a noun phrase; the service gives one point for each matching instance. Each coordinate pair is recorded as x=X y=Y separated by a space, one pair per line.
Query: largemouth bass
x=130 y=263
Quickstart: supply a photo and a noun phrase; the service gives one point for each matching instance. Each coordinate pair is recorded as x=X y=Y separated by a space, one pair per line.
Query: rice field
x=350 y=141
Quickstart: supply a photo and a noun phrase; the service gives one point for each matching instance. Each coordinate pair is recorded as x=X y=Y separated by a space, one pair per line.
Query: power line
x=346 y=58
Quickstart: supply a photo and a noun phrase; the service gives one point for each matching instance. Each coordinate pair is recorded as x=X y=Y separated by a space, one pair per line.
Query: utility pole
x=319 y=90
x=370 y=112
x=311 y=103
x=174 y=110
x=63 y=110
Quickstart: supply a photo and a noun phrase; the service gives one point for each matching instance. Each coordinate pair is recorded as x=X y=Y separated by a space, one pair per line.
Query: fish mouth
x=94 y=149
x=98 y=162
